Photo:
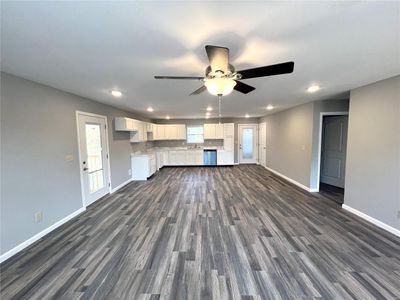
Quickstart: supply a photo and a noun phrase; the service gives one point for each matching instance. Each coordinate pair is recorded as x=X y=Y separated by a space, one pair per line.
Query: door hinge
x=105 y=127
x=109 y=184
x=107 y=155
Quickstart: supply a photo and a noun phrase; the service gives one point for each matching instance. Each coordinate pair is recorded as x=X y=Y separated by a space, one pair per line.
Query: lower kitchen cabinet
x=143 y=166
x=225 y=157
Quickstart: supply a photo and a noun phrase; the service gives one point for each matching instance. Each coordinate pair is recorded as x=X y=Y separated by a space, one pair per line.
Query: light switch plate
x=129 y=172
x=38 y=217
x=69 y=157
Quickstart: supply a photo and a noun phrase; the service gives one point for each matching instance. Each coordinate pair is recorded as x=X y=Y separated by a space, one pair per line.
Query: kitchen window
x=195 y=134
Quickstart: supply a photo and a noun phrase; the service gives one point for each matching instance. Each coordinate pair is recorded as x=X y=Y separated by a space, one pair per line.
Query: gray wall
x=372 y=183
x=38 y=129
x=293 y=139
x=236 y=121
x=288 y=132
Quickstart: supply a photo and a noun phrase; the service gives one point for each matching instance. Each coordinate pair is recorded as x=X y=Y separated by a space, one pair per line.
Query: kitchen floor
x=200 y=233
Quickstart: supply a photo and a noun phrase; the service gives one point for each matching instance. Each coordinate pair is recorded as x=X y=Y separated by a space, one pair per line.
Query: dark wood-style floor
x=197 y=233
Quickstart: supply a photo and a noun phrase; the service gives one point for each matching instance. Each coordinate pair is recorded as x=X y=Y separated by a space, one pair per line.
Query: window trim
x=187 y=133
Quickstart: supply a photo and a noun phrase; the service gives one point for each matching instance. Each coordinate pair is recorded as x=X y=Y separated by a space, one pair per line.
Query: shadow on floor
x=331 y=192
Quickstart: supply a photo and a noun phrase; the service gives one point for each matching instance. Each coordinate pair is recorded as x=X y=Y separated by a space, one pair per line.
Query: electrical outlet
x=302 y=147
x=38 y=217
x=129 y=172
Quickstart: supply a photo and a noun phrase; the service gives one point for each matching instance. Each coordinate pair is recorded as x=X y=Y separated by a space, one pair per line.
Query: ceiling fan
x=221 y=78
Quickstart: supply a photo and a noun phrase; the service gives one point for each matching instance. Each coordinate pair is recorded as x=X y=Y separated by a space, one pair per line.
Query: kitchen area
x=209 y=144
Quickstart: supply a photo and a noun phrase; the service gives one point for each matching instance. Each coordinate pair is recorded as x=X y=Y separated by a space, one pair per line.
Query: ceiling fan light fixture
x=220 y=86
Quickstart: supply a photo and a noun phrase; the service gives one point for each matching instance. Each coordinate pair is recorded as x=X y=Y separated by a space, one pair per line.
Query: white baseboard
x=292 y=181
x=39 y=235
x=372 y=220
x=120 y=186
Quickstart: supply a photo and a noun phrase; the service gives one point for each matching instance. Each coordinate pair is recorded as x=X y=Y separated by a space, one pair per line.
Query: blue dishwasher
x=210 y=157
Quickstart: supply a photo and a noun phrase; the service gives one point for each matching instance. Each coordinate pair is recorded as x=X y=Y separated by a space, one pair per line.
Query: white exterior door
x=333 y=152
x=248 y=152
x=262 y=145
x=93 y=154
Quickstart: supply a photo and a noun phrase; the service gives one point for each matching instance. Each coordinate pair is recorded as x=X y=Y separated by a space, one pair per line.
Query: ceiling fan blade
x=178 y=77
x=199 y=90
x=218 y=57
x=243 y=88
x=277 y=69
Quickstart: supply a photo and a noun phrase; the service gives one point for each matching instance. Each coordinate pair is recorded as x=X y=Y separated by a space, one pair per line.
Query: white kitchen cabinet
x=169 y=132
x=162 y=158
x=213 y=131
x=149 y=127
x=143 y=166
x=194 y=157
x=225 y=157
x=159 y=133
x=177 y=157
x=125 y=124
x=140 y=134
x=229 y=136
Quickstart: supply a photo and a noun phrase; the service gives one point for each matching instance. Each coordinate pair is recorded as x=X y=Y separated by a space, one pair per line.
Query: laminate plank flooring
x=209 y=233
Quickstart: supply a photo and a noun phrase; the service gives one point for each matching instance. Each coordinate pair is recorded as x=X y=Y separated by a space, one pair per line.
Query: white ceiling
x=89 y=48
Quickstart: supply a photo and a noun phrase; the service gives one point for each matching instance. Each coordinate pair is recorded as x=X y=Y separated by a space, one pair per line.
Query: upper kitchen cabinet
x=213 y=131
x=139 y=135
x=169 y=132
x=125 y=124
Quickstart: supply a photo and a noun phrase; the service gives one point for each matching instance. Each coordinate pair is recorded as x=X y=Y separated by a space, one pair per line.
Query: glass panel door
x=94 y=160
x=93 y=157
x=248 y=143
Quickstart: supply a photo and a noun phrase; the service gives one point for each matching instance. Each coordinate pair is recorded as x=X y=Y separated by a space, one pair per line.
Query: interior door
x=333 y=155
x=262 y=145
x=94 y=165
x=248 y=153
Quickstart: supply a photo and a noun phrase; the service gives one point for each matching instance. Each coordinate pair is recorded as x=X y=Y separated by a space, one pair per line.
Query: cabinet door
x=199 y=158
x=171 y=132
x=181 y=132
x=160 y=132
x=191 y=158
x=219 y=131
x=209 y=131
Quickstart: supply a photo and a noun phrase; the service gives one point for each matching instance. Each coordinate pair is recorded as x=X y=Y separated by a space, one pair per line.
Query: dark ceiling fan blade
x=277 y=69
x=178 y=77
x=199 y=90
x=243 y=88
x=218 y=57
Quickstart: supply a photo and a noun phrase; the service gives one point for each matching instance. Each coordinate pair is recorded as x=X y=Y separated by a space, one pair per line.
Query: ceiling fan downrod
x=219 y=108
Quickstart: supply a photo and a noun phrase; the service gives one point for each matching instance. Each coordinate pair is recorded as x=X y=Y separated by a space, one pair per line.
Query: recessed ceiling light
x=209 y=108
x=150 y=109
x=247 y=116
x=207 y=117
x=116 y=93
x=168 y=117
x=313 y=88
x=270 y=107
x=208 y=113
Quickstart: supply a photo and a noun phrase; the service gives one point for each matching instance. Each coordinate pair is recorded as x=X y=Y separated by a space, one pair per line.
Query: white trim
x=39 y=235
x=372 y=220
x=77 y=113
x=321 y=117
x=292 y=181
x=121 y=185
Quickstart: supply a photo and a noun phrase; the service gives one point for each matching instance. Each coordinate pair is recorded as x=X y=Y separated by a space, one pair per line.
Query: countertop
x=161 y=149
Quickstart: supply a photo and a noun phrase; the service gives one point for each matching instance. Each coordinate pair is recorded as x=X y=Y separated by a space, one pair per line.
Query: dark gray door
x=333 y=156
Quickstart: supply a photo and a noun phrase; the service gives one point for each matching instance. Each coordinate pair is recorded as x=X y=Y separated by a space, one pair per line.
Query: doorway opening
x=94 y=160
x=332 y=166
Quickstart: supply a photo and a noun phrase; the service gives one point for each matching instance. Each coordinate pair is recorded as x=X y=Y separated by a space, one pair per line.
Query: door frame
x=82 y=113
x=258 y=144
x=255 y=135
x=321 y=119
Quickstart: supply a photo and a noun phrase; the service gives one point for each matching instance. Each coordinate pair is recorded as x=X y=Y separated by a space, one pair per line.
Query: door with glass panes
x=94 y=166
x=248 y=152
